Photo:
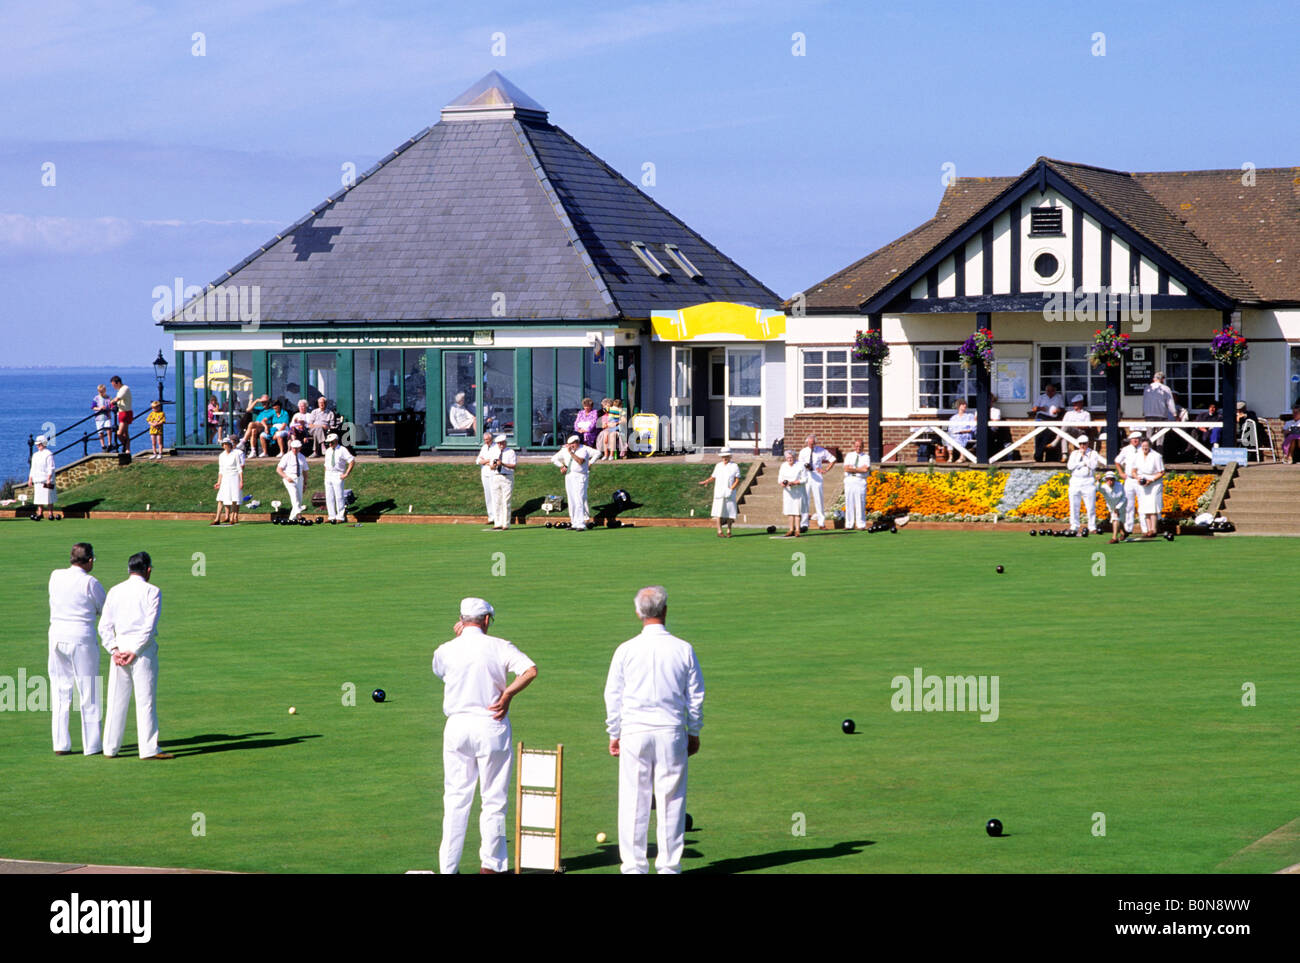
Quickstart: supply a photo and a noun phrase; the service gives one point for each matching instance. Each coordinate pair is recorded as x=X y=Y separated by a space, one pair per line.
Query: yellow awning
x=222 y=383
x=718 y=321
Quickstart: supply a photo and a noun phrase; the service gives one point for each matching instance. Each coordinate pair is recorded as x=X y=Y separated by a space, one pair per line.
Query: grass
x=1119 y=694
x=658 y=489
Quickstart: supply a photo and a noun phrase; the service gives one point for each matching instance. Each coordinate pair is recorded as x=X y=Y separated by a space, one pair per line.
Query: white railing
x=1187 y=430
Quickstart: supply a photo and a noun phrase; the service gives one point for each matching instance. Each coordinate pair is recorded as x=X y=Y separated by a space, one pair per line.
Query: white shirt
x=42 y=471
x=229 y=463
x=564 y=459
x=337 y=460
x=856 y=459
x=814 y=459
x=962 y=424
x=461 y=418
x=654 y=682
x=1158 y=402
x=1115 y=497
x=474 y=666
x=508 y=460
x=1083 y=465
x=294 y=465
x=725 y=478
x=1125 y=461
x=76 y=599
x=1152 y=463
x=1046 y=403
x=123 y=399
x=484 y=459
x=130 y=619
x=1073 y=417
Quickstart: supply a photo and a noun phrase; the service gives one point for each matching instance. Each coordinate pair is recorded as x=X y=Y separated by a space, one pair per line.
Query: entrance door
x=680 y=410
x=744 y=396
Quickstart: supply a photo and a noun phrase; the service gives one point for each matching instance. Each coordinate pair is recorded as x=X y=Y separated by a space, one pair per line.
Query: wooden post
x=983 y=319
x=875 y=436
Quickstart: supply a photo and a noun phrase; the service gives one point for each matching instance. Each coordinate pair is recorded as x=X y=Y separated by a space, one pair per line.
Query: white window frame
x=864 y=369
x=1185 y=390
x=682 y=261
x=1091 y=400
x=652 y=263
x=967 y=376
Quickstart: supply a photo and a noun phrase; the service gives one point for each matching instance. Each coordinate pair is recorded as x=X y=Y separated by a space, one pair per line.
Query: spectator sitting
x=276 y=422
x=1244 y=415
x=300 y=424
x=214 y=419
x=1210 y=436
x=460 y=417
x=961 y=426
x=1291 y=434
x=999 y=437
x=1076 y=419
x=610 y=442
x=251 y=425
x=321 y=422
x=584 y=425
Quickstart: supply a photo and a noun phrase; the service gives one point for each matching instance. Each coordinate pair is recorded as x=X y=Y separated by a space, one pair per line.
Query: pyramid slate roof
x=493 y=201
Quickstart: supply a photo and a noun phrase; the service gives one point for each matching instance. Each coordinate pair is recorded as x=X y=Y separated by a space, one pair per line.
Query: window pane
x=595 y=375
x=195 y=404
x=812 y=401
x=460 y=393
x=415 y=366
x=286 y=377
x=745 y=373
x=812 y=357
x=363 y=395
x=742 y=422
x=837 y=387
x=838 y=357
x=499 y=391
x=837 y=401
x=569 y=388
x=390 y=380
x=322 y=377
x=544 y=397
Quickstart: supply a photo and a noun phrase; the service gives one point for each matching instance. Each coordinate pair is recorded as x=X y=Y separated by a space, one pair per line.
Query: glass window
x=568 y=388
x=1067 y=367
x=192 y=378
x=322 y=377
x=594 y=379
x=742 y=422
x=363 y=397
x=499 y=391
x=544 y=397
x=390 y=381
x=1293 y=379
x=460 y=394
x=744 y=373
x=415 y=363
x=831 y=379
x=941 y=381
x=1193 y=375
x=286 y=377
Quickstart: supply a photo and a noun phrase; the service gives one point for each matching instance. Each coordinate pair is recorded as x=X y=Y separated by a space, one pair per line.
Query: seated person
x=610 y=442
x=961 y=426
x=1210 y=435
x=1048 y=407
x=251 y=425
x=460 y=418
x=321 y=422
x=1075 y=420
x=276 y=422
x=300 y=424
x=584 y=425
x=1291 y=434
x=1244 y=415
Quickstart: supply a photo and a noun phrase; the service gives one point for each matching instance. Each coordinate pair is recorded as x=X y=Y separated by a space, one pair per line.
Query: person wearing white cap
x=338 y=466
x=503 y=465
x=292 y=467
x=1112 y=490
x=1076 y=419
x=793 y=479
x=41 y=477
x=476 y=746
x=725 y=478
x=654 y=710
x=1046 y=408
x=1124 y=462
x=1083 y=466
x=818 y=461
x=574 y=461
x=76 y=599
x=1149 y=467
x=857 y=469
x=230 y=481
x=128 y=629
x=486 y=475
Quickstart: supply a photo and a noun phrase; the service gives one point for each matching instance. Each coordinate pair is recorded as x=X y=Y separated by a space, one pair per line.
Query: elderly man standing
x=1126 y=462
x=1158 y=401
x=818 y=461
x=1083 y=466
x=485 y=474
x=129 y=631
x=654 y=703
x=76 y=599
x=503 y=465
x=857 y=469
x=476 y=741
x=574 y=461
x=41 y=477
x=293 y=469
x=338 y=466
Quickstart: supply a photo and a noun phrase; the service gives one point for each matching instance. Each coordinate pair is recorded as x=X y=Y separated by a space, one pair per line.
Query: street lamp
x=160 y=372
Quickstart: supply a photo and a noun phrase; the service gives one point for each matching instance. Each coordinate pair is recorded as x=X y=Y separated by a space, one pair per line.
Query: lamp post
x=160 y=372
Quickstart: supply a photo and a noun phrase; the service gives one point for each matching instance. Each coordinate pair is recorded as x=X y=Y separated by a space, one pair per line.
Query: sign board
x=1139 y=368
x=1224 y=456
x=218 y=369
x=1011 y=380
x=385 y=339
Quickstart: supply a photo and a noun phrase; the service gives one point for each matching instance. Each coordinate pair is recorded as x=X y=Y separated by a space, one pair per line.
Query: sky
x=796 y=136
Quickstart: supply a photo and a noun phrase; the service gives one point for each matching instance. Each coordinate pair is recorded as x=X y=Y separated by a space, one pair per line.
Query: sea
x=32 y=399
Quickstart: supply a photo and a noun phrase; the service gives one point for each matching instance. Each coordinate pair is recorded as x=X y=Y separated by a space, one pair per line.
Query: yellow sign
x=218 y=369
x=718 y=321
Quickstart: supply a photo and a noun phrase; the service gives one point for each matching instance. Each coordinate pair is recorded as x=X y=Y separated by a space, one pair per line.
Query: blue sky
x=168 y=164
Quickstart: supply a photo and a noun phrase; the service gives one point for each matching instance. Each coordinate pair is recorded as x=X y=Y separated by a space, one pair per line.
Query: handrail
x=114 y=445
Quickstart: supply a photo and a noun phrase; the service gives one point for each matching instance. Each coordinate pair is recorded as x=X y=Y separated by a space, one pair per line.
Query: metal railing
x=115 y=446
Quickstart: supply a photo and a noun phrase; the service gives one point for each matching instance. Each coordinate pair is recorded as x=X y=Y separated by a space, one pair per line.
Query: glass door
x=679 y=404
x=744 y=395
x=460 y=399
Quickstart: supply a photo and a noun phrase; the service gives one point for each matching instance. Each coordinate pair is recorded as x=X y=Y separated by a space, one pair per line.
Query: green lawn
x=657 y=489
x=1118 y=694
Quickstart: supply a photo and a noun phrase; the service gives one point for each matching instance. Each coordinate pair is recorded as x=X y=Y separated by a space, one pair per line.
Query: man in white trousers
x=818 y=461
x=1083 y=466
x=574 y=461
x=857 y=469
x=486 y=475
x=338 y=466
x=476 y=745
x=293 y=469
x=76 y=599
x=503 y=465
x=1124 y=462
x=654 y=704
x=128 y=629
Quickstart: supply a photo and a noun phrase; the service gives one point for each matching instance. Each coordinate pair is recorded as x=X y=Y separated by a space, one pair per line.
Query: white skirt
x=794 y=500
x=1151 y=498
x=724 y=506
x=230 y=493
x=43 y=494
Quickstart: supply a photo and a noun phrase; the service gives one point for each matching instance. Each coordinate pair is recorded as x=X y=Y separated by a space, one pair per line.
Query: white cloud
x=28 y=234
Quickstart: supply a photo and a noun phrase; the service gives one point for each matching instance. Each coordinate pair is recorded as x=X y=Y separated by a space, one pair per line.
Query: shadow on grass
x=374 y=509
x=210 y=737
x=607 y=855
x=232 y=743
x=782 y=857
x=79 y=509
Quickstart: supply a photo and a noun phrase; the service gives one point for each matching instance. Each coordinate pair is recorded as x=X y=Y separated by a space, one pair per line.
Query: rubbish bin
x=398 y=434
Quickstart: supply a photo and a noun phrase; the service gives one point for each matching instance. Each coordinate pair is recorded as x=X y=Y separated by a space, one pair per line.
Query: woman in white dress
x=1150 y=468
x=229 y=484
x=793 y=477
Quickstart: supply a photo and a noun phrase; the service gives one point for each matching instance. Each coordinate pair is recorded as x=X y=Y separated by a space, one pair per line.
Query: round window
x=1046 y=266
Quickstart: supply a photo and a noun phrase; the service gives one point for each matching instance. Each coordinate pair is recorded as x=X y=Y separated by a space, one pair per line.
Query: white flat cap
x=1084 y=440
x=228 y=441
x=499 y=438
x=1076 y=399
x=1109 y=476
x=41 y=440
x=473 y=608
x=1135 y=434
x=295 y=443
x=571 y=439
x=331 y=437
x=724 y=451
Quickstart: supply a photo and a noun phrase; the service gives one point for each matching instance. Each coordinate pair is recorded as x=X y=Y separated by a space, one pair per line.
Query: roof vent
x=494 y=98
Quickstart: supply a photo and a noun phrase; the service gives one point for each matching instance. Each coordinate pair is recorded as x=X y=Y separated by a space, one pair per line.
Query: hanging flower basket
x=870 y=347
x=1229 y=346
x=1108 y=348
x=977 y=349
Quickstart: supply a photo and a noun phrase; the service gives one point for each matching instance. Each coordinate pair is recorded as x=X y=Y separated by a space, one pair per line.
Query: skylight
x=682 y=261
x=652 y=263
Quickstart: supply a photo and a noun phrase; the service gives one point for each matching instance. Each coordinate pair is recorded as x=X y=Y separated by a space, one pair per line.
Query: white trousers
x=575 y=488
x=816 y=486
x=294 y=487
x=142 y=677
x=489 y=492
x=855 y=501
x=504 y=487
x=1087 y=491
x=75 y=663
x=475 y=751
x=335 y=506
x=652 y=760
x=1131 y=489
